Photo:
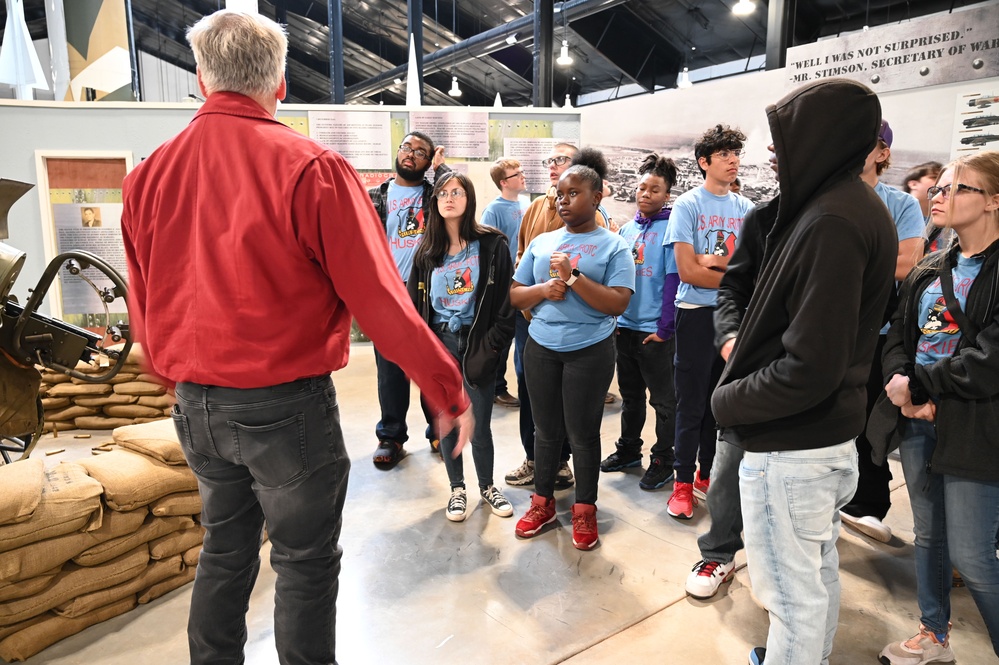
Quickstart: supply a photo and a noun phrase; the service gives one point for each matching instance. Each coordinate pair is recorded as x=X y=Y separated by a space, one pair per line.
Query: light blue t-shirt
x=939 y=331
x=404 y=224
x=653 y=261
x=907 y=215
x=505 y=216
x=711 y=224
x=452 y=288
x=571 y=324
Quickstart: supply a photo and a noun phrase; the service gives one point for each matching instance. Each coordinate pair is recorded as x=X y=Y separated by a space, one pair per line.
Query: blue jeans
x=955 y=521
x=482 y=408
x=526 y=412
x=393 y=398
x=723 y=538
x=790 y=508
x=274 y=454
x=568 y=389
x=641 y=368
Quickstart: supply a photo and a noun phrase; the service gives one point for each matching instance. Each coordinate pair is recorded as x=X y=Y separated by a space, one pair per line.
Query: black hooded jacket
x=797 y=377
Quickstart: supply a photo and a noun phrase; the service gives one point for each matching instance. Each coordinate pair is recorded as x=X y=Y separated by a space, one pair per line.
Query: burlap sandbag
x=157 y=439
x=166 y=586
x=70 y=502
x=152 y=528
x=158 y=401
x=74 y=390
x=183 y=503
x=104 y=400
x=69 y=413
x=138 y=388
x=26 y=562
x=131 y=480
x=54 y=378
x=58 y=427
x=75 y=581
x=176 y=543
x=192 y=556
x=17 y=627
x=150 y=378
x=143 y=421
x=123 y=377
x=52 y=403
x=27 y=642
x=154 y=573
x=100 y=422
x=20 y=489
x=132 y=411
x=28 y=587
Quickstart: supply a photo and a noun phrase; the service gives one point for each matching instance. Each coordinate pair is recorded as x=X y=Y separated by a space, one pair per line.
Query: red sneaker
x=701 y=486
x=541 y=512
x=681 y=503
x=584 y=526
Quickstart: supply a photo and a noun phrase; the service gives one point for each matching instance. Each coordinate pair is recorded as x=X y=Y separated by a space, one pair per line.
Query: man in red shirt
x=249 y=248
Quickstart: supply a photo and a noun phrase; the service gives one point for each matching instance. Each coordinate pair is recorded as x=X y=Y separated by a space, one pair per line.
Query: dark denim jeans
x=567 y=389
x=393 y=398
x=641 y=368
x=271 y=454
x=526 y=412
x=482 y=408
x=698 y=368
x=954 y=521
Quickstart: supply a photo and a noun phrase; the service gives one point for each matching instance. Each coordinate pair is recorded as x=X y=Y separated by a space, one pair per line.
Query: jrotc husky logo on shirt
x=939 y=320
x=462 y=282
x=573 y=261
x=724 y=242
x=411 y=222
x=638 y=252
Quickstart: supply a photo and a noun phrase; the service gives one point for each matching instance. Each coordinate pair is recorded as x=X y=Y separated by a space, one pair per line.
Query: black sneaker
x=757 y=655
x=658 y=474
x=617 y=461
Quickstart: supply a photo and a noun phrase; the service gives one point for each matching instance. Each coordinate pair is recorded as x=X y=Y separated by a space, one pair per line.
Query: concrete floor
x=418 y=589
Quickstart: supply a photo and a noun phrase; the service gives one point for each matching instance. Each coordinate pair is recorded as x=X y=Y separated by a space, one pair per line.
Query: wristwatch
x=573 y=277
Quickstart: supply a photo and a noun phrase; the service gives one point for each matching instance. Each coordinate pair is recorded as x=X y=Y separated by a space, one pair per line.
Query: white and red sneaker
x=584 y=526
x=541 y=512
x=681 y=503
x=701 y=486
x=707 y=576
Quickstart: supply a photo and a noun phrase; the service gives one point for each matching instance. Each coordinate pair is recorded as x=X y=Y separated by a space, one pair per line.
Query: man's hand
x=654 y=338
x=555 y=289
x=726 y=349
x=438 y=157
x=898 y=390
x=926 y=411
x=560 y=263
x=465 y=423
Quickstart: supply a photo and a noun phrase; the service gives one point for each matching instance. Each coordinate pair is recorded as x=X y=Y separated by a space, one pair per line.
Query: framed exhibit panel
x=80 y=204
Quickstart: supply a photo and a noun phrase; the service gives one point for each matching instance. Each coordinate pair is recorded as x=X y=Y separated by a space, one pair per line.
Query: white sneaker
x=707 y=576
x=455 y=510
x=917 y=650
x=868 y=525
x=497 y=502
x=563 y=477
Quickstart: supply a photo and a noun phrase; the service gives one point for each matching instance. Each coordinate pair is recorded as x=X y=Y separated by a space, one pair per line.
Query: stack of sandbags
x=127 y=534
x=128 y=398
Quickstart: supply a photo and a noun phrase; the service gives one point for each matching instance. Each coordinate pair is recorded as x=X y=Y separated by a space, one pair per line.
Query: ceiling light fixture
x=744 y=8
x=455 y=91
x=683 y=80
x=512 y=39
x=564 y=58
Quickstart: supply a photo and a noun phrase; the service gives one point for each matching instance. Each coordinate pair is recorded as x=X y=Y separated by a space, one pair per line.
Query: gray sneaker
x=455 y=510
x=563 y=478
x=922 y=648
x=522 y=475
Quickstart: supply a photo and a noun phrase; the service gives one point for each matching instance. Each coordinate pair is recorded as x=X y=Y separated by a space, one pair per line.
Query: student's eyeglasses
x=558 y=160
x=512 y=175
x=932 y=192
x=454 y=193
x=727 y=154
x=419 y=153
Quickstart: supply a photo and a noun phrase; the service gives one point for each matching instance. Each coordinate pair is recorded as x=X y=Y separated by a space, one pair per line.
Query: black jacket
x=966 y=385
x=492 y=325
x=797 y=376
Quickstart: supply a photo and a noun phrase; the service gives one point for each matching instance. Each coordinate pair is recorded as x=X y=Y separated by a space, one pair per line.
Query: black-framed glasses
x=419 y=153
x=454 y=193
x=727 y=154
x=932 y=192
x=512 y=175
x=557 y=160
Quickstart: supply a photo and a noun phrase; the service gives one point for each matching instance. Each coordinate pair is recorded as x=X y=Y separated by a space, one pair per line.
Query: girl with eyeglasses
x=574 y=281
x=458 y=283
x=941 y=407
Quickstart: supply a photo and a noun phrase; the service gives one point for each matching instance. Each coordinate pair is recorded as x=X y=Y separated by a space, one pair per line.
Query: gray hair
x=239 y=52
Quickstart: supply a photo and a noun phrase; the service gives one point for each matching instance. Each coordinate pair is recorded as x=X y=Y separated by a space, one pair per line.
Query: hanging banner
x=99 y=60
x=943 y=48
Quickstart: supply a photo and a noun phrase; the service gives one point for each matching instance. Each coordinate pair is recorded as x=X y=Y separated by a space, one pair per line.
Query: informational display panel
x=362 y=137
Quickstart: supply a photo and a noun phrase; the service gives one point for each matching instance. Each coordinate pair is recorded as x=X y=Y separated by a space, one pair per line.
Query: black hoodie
x=797 y=376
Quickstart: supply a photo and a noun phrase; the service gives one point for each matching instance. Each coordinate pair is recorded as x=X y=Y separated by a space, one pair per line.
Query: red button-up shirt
x=249 y=246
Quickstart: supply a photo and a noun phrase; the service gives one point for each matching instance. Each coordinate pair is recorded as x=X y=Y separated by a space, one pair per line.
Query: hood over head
x=822 y=133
